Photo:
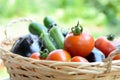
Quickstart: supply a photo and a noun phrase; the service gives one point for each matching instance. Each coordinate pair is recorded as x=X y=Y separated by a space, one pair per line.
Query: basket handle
x=110 y=58
x=13 y=22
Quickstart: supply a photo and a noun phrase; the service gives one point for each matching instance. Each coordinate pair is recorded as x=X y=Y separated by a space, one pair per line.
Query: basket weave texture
x=23 y=68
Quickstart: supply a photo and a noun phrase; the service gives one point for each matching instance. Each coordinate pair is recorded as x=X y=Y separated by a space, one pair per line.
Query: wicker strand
x=18 y=65
x=2 y=52
x=109 y=59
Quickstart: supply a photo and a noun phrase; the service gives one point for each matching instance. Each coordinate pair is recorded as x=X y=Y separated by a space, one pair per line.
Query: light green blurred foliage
x=94 y=12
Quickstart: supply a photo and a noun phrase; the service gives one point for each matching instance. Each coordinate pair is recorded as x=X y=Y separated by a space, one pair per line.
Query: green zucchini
x=41 y=31
x=55 y=32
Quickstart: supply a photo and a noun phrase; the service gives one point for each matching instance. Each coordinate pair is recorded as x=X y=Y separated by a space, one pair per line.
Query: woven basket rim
x=106 y=63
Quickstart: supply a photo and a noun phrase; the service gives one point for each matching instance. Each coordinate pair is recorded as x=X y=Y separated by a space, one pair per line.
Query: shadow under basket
x=24 y=68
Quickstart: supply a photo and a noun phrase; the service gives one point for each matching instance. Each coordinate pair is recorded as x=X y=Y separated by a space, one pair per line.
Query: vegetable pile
x=49 y=42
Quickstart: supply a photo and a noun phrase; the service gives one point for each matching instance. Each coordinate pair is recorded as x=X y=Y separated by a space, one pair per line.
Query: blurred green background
x=100 y=17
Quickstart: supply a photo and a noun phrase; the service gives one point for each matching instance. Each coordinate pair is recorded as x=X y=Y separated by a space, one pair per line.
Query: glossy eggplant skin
x=26 y=45
x=95 y=56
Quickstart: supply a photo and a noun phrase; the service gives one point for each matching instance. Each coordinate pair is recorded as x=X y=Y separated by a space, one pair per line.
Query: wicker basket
x=23 y=68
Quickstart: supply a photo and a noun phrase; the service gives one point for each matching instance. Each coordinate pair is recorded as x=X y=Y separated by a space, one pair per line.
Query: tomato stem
x=44 y=53
x=77 y=29
x=110 y=37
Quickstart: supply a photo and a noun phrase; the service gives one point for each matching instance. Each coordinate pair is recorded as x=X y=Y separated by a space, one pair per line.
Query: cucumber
x=58 y=37
x=48 y=43
x=48 y=22
x=37 y=28
x=55 y=32
x=41 y=31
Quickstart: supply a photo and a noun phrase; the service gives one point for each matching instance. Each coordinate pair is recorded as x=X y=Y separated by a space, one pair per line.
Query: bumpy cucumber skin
x=58 y=37
x=55 y=32
x=48 y=44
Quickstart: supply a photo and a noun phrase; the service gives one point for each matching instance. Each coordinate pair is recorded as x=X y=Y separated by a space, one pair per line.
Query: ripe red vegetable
x=78 y=59
x=78 y=43
x=35 y=55
x=59 y=55
x=105 y=44
x=117 y=57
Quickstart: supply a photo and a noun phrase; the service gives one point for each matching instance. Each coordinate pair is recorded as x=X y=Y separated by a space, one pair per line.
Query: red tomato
x=35 y=55
x=117 y=57
x=104 y=45
x=78 y=59
x=80 y=44
x=59 y=55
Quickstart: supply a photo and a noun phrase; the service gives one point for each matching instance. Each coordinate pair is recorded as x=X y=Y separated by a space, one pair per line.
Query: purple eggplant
x=95 y=56
x=26 y=45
